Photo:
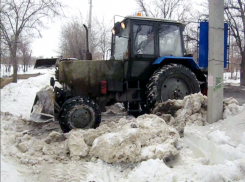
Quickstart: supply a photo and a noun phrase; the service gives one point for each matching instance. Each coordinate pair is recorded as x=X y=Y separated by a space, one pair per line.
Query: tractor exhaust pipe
x=88 y=55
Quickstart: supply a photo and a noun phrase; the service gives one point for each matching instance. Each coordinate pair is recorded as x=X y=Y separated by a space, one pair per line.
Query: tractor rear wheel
x=173 y=81
x=79 y=112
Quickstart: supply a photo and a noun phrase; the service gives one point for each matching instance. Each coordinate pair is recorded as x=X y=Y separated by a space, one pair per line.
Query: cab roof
x=151 y=19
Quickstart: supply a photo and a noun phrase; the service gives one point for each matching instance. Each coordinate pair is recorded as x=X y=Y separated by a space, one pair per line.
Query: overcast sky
x=47 y=46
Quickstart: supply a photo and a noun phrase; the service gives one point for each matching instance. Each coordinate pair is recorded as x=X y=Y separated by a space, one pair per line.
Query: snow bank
x=18 y=98
x=220 y=141
x=192 y=110
x=221 y=144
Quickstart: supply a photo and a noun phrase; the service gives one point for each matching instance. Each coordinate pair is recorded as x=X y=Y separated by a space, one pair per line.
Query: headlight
x=123 y=25
x=113 y=31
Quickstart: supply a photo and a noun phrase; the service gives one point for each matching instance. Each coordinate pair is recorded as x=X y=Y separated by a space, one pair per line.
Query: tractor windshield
x=170 y=40
x=120 y=48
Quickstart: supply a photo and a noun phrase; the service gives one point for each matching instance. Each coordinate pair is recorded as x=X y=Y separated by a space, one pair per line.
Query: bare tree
x=169 y=9
x=25 y=16
x=103 y=37
x=3 y=51
x=24 y=53
x=234 y=59
x=235 y=14
x=73 y=39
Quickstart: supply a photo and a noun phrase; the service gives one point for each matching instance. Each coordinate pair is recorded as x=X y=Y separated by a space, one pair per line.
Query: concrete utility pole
x=215 y=60
x=89 y=24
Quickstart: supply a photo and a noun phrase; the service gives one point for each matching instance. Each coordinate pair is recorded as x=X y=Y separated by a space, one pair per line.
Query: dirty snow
x=147 y=137
x=231 y=107
x=123 y=148
x=191 y=110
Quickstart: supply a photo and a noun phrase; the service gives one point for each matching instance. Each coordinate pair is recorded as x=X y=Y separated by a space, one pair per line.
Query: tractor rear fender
x=186 y=61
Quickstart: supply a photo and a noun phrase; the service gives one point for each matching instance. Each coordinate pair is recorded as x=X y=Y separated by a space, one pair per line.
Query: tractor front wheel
x=79 y=113
x=173 y=81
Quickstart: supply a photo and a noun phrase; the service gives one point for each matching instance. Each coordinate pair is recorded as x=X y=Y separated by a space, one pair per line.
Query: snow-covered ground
x=147 y=148
x=228 y=79
x=6 y=72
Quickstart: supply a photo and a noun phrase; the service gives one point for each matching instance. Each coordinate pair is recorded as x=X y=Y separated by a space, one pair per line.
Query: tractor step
x=136 y=107
x=135 y=100
x=136 y=89
x=134 y=104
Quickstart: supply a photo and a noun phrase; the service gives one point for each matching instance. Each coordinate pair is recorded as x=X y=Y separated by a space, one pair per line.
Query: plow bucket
x=45 y=62
x=43 y=107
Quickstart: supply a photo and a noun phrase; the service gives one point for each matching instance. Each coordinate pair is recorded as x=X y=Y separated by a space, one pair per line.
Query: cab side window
x=170 y=40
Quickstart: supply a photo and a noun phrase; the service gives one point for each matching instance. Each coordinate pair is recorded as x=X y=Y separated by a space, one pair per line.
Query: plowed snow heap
x=124 y=140
x=192 y=110
x=135 y=140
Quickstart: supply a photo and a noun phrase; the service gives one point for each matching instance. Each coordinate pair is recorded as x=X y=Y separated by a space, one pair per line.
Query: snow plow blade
x=45 y=63
x=43 y=107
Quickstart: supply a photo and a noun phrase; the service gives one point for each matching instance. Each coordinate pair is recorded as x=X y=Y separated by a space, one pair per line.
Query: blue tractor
x=148 y=65
x=155 y=63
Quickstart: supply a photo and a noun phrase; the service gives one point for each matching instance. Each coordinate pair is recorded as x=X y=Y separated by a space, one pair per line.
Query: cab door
x=144 y=48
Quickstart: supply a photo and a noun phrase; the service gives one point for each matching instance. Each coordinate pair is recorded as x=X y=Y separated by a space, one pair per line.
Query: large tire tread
x=152 y=87
x=71 y=103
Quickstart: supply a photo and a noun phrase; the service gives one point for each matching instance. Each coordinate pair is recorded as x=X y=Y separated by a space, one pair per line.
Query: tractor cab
x=139 y=41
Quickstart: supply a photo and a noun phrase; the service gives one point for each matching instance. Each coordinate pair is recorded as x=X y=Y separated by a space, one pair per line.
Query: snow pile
x=231 y=107
x=192 y=110
x=151 y=170
x=147 y=137
x=114 y=112
x=115 y=109
x=19 y=143
x=76 y=144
